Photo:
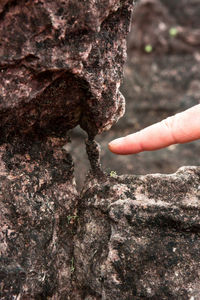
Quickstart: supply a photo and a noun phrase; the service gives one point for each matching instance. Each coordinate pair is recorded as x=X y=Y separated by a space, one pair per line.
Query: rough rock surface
x=138 y=237
x=37 y=201
x=61 y=65
x=123 y=237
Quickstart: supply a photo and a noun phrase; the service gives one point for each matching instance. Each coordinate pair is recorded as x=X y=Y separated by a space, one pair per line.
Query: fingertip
x=114 y=146
x=126 y=145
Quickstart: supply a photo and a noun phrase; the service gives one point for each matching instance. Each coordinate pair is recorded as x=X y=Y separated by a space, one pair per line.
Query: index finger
x=180 y=128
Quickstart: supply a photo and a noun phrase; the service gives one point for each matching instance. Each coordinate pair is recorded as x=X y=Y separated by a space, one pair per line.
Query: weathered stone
x=37 y=198
x=138 y=237
x=61 y=65
x=124 y=237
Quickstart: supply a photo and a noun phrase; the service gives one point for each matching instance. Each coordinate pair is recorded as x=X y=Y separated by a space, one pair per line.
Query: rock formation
x=61 y=65
x=123 y=237
x=138 y=237
x=37 y=198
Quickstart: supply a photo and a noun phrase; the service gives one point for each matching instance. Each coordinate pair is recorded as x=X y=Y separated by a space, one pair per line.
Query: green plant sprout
x=72 y=269
x=113 y=174
x=148 y=48
x=173 y=31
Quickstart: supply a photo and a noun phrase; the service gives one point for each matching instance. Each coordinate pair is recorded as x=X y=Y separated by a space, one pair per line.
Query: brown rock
x=37 y=199
x=61 y=65
x=125 y=237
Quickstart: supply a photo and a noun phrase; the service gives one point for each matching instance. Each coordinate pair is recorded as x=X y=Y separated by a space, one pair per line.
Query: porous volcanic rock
x=138 y=237
x=61 y=65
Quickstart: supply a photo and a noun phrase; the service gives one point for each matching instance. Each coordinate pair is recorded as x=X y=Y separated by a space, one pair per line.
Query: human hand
x=180 y=128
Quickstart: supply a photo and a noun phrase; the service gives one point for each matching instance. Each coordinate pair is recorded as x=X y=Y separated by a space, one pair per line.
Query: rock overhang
x=61 y=63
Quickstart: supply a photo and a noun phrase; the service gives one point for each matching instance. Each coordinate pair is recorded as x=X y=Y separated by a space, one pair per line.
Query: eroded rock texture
x=61 y=65
x=138 y=237
x=124 y=237
x=37 y=199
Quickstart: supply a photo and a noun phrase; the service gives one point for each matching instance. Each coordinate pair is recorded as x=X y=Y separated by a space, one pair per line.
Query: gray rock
x=138 y=237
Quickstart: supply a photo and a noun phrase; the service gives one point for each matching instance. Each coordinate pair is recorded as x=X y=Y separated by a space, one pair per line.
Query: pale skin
x=181 y=128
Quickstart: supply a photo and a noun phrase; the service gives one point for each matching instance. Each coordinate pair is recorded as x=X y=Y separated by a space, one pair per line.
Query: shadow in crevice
x=77 y=150
x=52 y=112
